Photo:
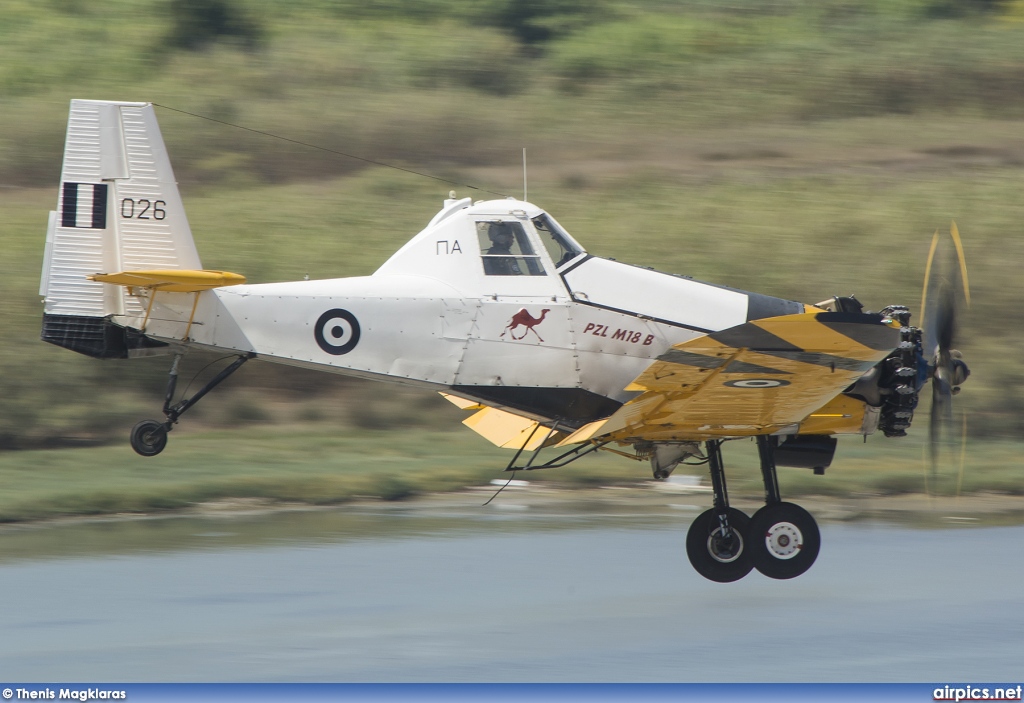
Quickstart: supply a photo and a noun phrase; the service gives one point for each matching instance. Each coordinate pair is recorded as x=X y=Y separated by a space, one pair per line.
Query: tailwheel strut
x=149 y=437
x=716 y=542
x=784 y=538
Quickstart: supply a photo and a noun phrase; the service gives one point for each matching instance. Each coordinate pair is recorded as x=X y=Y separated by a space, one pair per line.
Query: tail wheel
x=715 y=554
x=784 y=540
x=149 y=437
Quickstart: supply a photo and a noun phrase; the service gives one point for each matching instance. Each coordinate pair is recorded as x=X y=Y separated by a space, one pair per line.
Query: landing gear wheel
x=715 y=556
x=149 y=437
x=784 y=540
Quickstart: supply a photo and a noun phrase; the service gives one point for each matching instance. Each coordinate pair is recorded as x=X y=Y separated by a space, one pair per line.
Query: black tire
x=783 y=540
x=723 y=561
x=149 y=438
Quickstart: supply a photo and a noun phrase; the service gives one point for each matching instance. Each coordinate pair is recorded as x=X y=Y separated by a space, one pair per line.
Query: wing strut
x=563 y=459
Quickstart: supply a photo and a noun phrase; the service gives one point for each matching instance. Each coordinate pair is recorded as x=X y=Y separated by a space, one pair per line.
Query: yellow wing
x=755 y=378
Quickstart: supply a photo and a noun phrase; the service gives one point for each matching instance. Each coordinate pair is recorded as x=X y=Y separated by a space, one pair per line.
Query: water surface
x=504 y=595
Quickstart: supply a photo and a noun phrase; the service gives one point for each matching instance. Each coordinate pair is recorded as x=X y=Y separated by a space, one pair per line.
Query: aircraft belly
x=498 y=363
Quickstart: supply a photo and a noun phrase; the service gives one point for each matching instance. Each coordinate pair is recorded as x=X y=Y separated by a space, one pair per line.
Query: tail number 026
x=143 y=209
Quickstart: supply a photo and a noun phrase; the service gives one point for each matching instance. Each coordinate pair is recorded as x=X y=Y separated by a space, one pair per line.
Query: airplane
x=498 y=308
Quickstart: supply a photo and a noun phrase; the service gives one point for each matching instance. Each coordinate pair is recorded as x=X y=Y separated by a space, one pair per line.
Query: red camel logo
x=525 y=319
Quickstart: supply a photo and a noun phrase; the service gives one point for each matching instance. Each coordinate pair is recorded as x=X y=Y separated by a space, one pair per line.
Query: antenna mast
x=524 y=174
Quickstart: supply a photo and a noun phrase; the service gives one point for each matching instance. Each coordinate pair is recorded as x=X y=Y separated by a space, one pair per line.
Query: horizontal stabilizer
x=173 y=280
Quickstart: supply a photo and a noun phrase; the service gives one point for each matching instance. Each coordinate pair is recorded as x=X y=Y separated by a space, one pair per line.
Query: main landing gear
x=781 y=540
x=149 y=437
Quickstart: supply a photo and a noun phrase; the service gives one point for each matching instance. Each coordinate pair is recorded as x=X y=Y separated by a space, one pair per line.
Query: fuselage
x=545 y=330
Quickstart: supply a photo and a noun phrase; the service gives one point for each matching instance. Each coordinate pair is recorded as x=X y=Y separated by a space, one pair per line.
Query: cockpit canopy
x=486 y=240
x=561 y=247
x=506 y=249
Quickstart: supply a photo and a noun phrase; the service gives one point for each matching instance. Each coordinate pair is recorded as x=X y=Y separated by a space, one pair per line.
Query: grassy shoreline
x=320 y=465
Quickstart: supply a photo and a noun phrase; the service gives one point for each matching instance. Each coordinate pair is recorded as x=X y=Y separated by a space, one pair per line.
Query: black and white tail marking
x=84 y=205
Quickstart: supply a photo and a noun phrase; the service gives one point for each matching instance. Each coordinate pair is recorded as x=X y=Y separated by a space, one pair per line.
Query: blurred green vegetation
x=296 y=463
x=286 y=464
x=796 y=148
x=456 y=84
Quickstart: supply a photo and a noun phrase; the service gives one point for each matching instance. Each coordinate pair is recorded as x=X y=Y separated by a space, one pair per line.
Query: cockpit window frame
x=521 y=259
x=548 y=229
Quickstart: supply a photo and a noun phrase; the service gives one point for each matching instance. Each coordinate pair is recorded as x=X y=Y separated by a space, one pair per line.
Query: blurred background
x=798 y=148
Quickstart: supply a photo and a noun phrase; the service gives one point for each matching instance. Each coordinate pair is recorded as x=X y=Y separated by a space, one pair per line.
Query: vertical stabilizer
x=118 y=209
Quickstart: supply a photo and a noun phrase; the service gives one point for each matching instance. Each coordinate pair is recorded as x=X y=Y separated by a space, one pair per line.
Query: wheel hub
x=725 y=548
x=784 y=540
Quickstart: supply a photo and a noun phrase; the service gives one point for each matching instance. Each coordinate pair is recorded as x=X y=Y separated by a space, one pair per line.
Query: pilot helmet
x=498 y=230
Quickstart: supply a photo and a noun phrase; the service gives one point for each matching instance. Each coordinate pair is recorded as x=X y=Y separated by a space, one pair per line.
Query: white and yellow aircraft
x=495 y=306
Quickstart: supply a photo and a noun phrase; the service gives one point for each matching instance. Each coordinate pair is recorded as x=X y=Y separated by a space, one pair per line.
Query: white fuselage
x=432 y=316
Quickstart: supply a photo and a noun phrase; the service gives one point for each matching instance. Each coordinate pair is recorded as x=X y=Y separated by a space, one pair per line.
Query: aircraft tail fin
x=118 y=209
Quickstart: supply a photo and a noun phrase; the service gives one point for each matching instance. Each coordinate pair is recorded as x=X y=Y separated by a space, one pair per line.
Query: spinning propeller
x=945 y=286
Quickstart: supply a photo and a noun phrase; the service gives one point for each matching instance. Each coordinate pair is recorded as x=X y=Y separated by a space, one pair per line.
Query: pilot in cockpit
x=499 y=260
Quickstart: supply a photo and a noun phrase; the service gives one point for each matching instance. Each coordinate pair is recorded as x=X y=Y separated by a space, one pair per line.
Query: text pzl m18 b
x=498 y=308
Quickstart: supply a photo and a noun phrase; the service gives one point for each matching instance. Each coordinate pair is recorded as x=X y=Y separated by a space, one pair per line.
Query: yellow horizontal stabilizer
x=171 y=280
x=507 y=430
